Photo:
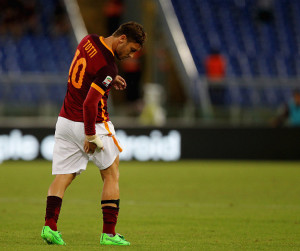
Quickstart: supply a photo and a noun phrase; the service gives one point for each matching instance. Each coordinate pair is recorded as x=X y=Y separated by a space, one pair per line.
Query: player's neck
x=109 y=42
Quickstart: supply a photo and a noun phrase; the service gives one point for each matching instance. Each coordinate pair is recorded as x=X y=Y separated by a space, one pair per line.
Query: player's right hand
x=93 y=143
x=119 y=83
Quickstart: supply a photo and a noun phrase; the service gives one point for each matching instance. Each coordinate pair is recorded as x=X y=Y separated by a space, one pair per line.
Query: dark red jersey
x=94 y=67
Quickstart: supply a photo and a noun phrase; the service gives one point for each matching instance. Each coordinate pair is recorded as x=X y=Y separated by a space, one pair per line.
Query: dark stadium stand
x=36 y=53
x=252 y=47
x=35 y=39
x=42 y=49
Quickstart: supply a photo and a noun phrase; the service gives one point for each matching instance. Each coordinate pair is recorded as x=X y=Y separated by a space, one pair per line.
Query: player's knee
x=65 y=178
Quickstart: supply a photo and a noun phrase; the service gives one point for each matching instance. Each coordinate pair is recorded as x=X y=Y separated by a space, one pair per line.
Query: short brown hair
x=133 y=31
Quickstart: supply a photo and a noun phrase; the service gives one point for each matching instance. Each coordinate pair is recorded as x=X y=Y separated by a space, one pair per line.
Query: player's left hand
x=119 y=83
x=89 y=147
x=93 y=143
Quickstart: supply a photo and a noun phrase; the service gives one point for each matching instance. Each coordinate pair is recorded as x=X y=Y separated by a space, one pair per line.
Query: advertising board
x=167 y=144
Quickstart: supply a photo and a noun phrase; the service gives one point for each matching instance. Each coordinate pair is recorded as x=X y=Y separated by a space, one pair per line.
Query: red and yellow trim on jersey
x=98 y=88
x=113 y=137
x=107 y=47
x=103 y=110
x=107 y=128
x=102 y=92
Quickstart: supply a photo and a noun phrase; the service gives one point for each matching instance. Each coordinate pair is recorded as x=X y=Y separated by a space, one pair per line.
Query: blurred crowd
x=22 y=17
x=18 y=17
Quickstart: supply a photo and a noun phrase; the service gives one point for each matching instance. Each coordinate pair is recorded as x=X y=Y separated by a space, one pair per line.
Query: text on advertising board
x=155 y=146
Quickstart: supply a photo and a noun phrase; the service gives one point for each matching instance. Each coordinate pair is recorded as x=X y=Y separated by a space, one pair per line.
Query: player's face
x=126 y=49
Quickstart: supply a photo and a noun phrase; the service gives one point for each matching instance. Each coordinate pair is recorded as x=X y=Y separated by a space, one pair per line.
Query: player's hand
x=93 y=143
x=119 y=83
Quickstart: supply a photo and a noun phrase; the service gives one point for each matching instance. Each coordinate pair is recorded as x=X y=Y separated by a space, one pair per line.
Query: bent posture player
x=84 y=131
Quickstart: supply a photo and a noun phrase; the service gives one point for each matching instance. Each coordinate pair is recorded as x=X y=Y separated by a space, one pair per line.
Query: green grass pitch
x=185 y=205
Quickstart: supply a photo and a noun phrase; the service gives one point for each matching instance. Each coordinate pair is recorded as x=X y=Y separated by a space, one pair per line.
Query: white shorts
x=69 y=155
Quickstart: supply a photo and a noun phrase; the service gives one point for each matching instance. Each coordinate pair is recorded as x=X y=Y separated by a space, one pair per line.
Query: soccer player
x=84 y=131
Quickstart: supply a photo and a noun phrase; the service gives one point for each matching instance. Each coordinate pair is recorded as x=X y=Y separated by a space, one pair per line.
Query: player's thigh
x=68 y=154
x=68 y=158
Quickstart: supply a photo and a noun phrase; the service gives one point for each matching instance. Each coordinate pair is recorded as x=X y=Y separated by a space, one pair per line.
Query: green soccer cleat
x=52 y=237
x=113 y=240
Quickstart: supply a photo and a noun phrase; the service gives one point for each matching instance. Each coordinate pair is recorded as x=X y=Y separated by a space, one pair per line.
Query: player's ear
x=123 y=38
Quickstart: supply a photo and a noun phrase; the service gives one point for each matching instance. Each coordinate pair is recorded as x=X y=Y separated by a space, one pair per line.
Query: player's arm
x=90 y=109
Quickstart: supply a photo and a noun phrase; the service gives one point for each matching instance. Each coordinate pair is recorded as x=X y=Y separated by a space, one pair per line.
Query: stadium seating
x=41 y=49
x=252 y=48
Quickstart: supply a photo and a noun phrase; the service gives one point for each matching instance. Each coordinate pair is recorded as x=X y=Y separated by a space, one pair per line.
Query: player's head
x=130 y=38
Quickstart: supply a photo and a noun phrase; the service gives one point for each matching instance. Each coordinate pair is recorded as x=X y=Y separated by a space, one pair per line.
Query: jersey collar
x=102 y=41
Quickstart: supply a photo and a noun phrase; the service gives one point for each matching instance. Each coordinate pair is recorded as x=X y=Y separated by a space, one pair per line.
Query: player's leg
x=110 y=197
x=110 y=177
x=110 y=205
x=54 y=200
x=108 y=163
x=60 y=184
x=56 y=193
x=69 y=159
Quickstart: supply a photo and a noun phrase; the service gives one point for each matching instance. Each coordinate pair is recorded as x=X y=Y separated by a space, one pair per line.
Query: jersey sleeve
x=90 y=110
x=104 y=78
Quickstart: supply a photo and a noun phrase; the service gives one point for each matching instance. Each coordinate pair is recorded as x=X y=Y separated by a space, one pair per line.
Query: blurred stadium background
x=174 y=94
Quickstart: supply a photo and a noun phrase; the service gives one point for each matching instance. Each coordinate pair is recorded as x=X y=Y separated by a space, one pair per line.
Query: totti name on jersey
x=90 y=49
